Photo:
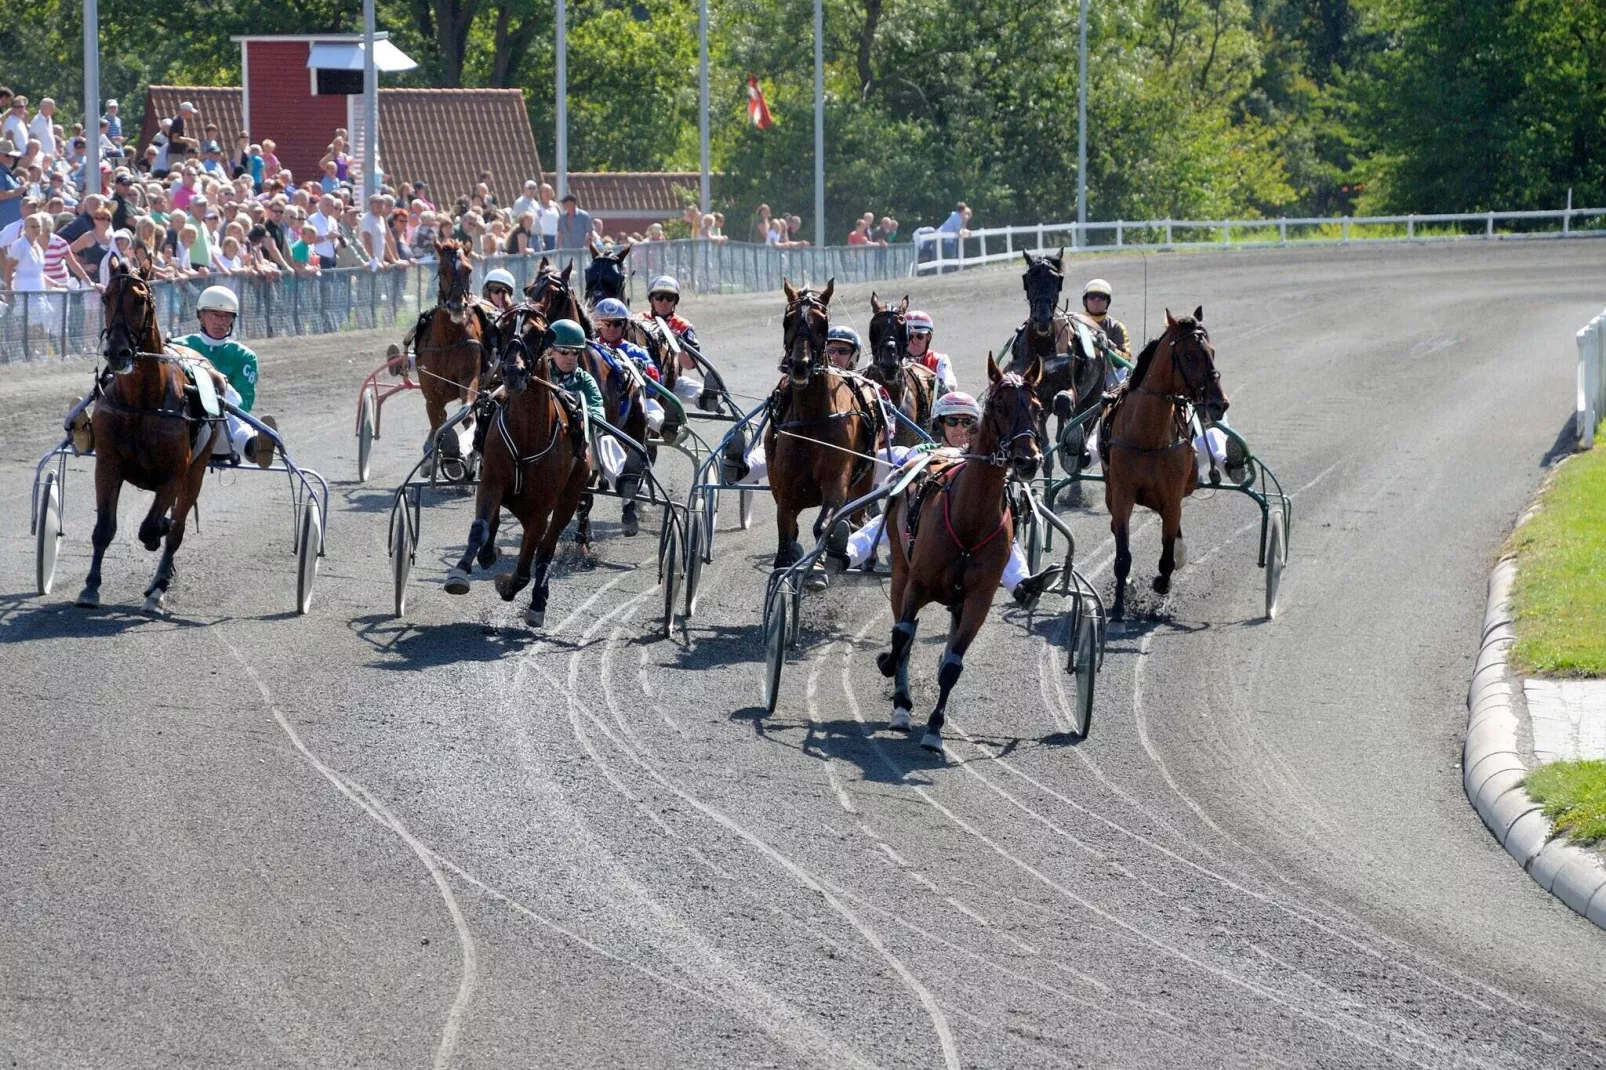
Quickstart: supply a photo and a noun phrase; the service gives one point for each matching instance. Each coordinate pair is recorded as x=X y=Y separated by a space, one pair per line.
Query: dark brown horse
x=452 y=342
x=961 y=535
x=605 y=277
x=146 y=432
x=622 y=393
x=910 y=387
x=534 y=466
x=823 y=425
x=1147 y=441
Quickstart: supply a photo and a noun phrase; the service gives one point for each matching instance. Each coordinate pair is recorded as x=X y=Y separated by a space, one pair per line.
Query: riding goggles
x=839 y=350
x=959 y=421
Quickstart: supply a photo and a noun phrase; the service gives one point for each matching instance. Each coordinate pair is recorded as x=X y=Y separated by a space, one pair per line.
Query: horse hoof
x=932 y=741
x=89 y=598
x=628 y=522
x=156 y=602
x=457 y=582
x=535 y=618
x=886 y=663
x=488 y=555
x=1162 y=585
x=900 y=719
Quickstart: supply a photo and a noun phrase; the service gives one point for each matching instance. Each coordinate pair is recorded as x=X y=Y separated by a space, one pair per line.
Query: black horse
x=911 y=387
x=1073 y=371
x=606 y=274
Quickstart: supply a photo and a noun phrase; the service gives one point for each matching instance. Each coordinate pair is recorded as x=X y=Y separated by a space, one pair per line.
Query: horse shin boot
x=903 y=636
x=903 y=707
x=947 y=676
x=457 y=579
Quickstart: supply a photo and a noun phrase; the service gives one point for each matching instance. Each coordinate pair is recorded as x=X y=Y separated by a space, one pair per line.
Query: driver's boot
x=81 y=428
x=260 y=447
x=733 y=462
x=1030 y=589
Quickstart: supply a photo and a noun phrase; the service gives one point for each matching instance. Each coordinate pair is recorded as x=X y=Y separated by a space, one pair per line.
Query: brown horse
x=911 y=388
x=146 y=432
x=823 y=425
x=452 y=342
x=954 y=539
x=1147 y=441
x=622 y=393
x=534 y=465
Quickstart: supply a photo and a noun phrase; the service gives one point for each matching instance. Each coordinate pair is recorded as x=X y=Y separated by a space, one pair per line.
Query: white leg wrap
x=1014 y=568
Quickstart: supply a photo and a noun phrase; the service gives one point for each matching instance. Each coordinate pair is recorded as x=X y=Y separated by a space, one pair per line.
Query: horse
x=452 y=343
x=911 y=388
x=534 y=465
x=146 y=431
x=550 y=294
x=823 y=424
x=1147 y=441
x=605 y=277
x=1073 y=379
x=955 y=533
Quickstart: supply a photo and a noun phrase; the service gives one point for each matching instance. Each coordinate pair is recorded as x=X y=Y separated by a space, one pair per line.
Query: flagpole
x=702 y=96
x=819 y=123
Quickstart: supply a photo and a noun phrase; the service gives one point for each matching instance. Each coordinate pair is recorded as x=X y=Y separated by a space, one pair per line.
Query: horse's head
x=130 y=315
x=803 y=330
x=549 y=290
x=889 y=335
x=1009 y=418
x=1043 y=278
x=605 y=275
x=456 y=277
x=523 y=351
x=1193 y=362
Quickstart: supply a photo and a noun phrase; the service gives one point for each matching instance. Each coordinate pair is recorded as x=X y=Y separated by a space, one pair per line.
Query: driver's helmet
x=611 y=308
x=499 y=277
x=663 y=284
x=844 y=334
x=954 y=403
x=218 y=299
x=1097 y=287
x=917 y=321
x=567 y=334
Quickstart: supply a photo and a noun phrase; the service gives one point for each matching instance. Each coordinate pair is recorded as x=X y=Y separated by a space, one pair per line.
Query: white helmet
x=1097 y=286
x=955 y=403
x=664 y=284
x=502 y=276
x=218 y=299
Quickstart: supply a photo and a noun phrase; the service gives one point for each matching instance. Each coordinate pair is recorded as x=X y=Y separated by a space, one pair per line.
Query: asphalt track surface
x=237 y=837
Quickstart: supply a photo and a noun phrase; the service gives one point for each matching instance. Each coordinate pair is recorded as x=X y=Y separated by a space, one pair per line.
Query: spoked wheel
x=309 y=543
x=795 y=625
x=401 y=554
x=1276 y=557
x=365 y=434
x=695 y=526
x=1085 y=667
x=671 y=570
x=47 y=538
x=1034 y=544
x=747 y=509
x=774 y=646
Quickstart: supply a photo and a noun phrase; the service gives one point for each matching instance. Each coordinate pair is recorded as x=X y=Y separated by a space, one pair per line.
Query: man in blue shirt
x=574 y=223
x=11 y=191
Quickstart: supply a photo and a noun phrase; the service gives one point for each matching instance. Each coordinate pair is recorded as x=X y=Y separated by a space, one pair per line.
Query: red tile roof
x=658 y=194
x=448 y=136
x=213 y=104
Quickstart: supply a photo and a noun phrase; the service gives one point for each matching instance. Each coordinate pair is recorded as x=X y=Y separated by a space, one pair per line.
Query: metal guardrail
x=1591 y=380
x=63 y=323
x=940 y=251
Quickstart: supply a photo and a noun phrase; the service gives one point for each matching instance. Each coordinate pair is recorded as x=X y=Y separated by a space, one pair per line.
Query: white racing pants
x=688 y=387
x=874 y=534
x=1214 y=440
x=236 y=431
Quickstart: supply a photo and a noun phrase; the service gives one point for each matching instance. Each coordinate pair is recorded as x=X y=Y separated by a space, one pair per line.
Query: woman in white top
x=30 y=306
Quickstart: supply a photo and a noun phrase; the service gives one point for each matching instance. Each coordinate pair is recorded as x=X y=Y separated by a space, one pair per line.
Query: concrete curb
x=1493 y=768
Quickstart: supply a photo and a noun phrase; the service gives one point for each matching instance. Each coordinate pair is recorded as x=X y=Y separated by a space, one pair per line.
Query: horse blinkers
x=123 y=337
x=1195 y=360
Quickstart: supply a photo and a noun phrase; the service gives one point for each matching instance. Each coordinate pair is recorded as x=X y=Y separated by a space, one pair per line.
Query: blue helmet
x=844 y=334
x=611 y=308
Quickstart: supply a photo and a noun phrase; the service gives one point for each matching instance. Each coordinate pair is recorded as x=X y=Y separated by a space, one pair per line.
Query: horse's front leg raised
x=187 y=491
x=108 y=488
x=965 y=623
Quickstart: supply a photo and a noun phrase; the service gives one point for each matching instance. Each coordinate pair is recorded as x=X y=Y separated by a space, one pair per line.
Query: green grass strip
x=1574 y=797
x=1560 y=593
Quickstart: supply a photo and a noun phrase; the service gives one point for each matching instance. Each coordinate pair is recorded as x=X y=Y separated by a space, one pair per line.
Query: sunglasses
x=665 y=297
x=839 y=349
x=919 y=332
x=959 y=421
x=611 y=323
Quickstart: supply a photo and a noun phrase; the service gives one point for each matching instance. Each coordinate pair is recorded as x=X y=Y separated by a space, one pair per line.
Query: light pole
x=370 y=105
x=91 y=96
x=702 y=97
x=563 y=100
x=1081 y=139
x=819 y=123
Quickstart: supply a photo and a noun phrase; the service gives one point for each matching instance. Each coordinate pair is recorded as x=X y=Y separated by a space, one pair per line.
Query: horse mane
x=1145 y=358
x=451 y=244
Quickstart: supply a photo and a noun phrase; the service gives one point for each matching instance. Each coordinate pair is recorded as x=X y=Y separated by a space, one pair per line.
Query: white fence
x=1591 y=380
x=942 y=251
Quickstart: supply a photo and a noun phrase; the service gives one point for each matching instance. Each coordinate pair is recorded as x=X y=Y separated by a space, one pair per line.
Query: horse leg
x=489 y=553
x=534 y=525
x=559 y=520
x=788 y=550
x=154 y=528
x=1173 y=550
x=479 y=533
x=108 y=488
x=894 y=662
x=1120 y=520
x=966 y=622
x=582 y=528
x=187 y=490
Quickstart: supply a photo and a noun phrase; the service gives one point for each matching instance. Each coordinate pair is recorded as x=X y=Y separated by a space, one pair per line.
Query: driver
x=217 y=308
x=663 y=299
x=498 y=289
x=568 y=344
x=842 y=348
x=1096 y=297
x=611 y=316
x=954 y=419
x=920 y=330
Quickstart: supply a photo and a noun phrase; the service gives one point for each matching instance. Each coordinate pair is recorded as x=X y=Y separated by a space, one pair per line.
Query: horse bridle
x=1051 y=299
x=456 y=294
x=797 y=318
x=1197 y=393
x=120 y=320
x=1024 y=425
x=900 y=336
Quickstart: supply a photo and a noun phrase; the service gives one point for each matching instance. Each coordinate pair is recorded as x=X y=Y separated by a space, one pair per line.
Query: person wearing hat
x=1096 y=297
x=124 y=208
x=530 y=201
x=574 y=224
x=178 y=131
x=11 y=191
x=217 y=309
x=921 y=328
x=663 y=301
x=213 y=162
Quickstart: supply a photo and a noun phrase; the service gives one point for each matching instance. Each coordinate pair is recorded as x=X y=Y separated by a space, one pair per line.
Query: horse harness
x=780 y=404
x=1182 y=409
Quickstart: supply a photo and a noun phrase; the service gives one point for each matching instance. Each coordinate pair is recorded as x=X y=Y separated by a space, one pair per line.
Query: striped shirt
x=56 y=253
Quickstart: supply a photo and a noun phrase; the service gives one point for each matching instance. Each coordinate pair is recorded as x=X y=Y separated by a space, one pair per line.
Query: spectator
x=371 y=232
x=104 y=149
x=337 y=156
x=573 y=224
x=270 y=259
x=13 y=230
x=719 y=227
x=123 y=206
x=43 y=128
x=162 y=143
x=27 y=254
x=303 y=257
x=530 y=201
x=331 y=176
x=11 y=191
x=776 y=234
x=326 y=230
x=710 y=230
x=421 y=195
x=270 y=157
x=761 y=225
x=397 y=238
x=860 y=234
x=794 y=225
x=656 y=233
x=84 y=222
x=60 y=263
x=256 y=166
x=887 y=232
x=114 y=123
x=92 y=245
x=955 y=229
x=15 y=126
x=122 y=245
x=596 y=229
x=519 y=241
x=547 y=218
x=424 y=238
x=349 y=252
x=213 y=166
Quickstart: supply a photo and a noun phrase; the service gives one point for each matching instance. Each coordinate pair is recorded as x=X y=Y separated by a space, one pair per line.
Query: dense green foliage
x=1197 y=107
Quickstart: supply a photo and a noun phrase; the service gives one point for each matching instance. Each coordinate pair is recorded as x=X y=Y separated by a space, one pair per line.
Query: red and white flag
x=757 y=110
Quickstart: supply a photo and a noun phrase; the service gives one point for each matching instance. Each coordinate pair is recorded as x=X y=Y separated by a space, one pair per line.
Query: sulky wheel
x=774 y=647
x=670 y=570
x=309 y=543
x=1034 y=544
x=1085 y=660
x=747 y=509
x=695 y=527
x=401 y=554
x=1276 y=557
x=47 y=536
x=366 y=422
